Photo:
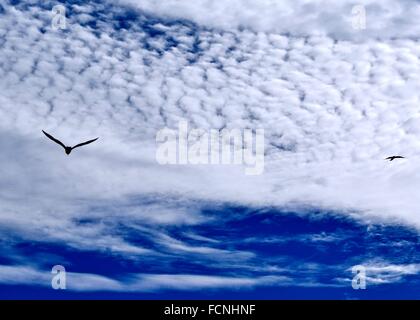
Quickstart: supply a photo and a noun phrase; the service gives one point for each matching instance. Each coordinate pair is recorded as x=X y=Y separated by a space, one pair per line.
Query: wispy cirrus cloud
x=133 y=282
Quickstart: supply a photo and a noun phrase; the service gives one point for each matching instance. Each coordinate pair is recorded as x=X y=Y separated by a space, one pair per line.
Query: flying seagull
x=394 y=157
x=68 y=149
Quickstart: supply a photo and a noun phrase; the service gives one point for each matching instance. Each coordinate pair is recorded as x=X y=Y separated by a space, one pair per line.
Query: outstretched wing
x=84 y=143
x=54 y=139
x=394 y=157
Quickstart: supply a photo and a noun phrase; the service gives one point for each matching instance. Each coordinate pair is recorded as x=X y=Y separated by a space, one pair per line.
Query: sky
x=333 y=100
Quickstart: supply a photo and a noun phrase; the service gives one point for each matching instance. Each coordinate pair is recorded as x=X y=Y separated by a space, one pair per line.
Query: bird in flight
x=394 y=157
x=66 y=148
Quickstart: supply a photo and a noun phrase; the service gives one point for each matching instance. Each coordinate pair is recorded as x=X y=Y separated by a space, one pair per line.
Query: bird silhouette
x=68 y=149
x=394 y=157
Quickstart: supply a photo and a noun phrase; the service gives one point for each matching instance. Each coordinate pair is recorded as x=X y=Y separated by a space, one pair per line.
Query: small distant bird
x=394 y=157
x=66 y=148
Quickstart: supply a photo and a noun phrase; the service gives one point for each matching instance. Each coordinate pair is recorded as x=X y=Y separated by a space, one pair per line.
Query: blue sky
x=333 y=102
x=315 y=254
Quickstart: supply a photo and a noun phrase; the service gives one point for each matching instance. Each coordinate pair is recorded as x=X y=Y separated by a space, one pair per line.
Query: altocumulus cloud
x=333 y=102
x=386 y=19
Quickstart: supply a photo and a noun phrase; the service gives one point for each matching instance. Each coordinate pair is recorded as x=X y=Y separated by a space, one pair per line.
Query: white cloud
x=331 y=112
x=332 y=109
x=132 y=283
x=386 y=19
x=378 y=273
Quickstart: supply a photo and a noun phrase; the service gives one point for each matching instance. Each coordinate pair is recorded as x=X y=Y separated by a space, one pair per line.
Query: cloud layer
x=332 y=107
x=384 y=19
